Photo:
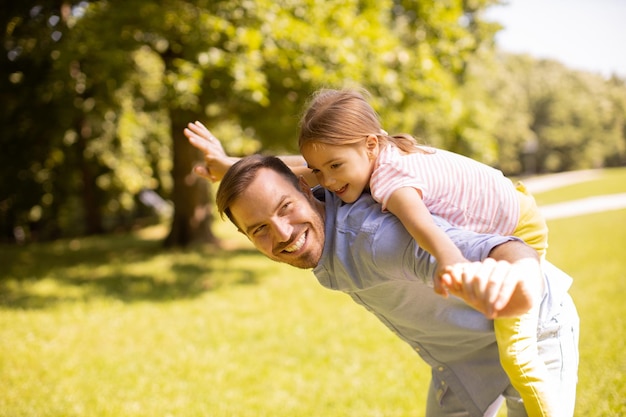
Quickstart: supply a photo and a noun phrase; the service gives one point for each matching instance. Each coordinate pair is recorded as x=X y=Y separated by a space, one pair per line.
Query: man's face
x=282 y=222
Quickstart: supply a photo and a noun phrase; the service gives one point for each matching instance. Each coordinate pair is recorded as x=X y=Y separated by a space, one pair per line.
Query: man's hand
x=495 y=288
x=215 y=158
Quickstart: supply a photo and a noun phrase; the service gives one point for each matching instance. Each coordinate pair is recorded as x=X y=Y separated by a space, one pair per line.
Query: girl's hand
x=444 y=280
x=495 y=288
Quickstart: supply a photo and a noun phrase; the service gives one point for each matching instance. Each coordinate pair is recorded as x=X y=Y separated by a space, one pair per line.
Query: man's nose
x=283 y=229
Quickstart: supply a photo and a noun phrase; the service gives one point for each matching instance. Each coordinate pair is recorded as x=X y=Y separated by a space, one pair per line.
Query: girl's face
x=343 y=169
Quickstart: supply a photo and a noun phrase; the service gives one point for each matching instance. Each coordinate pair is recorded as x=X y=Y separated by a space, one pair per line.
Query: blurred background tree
x=96 y=95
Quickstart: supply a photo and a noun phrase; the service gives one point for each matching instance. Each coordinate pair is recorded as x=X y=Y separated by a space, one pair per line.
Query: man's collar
x=319 y=193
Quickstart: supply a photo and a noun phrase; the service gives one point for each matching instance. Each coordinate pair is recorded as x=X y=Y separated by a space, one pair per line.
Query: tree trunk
x=191 y=194
x=89 y=195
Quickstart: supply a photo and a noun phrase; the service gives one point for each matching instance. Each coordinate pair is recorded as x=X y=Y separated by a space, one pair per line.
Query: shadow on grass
x=125 y=268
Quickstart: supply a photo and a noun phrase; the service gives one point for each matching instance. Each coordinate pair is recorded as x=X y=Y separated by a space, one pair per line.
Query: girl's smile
x=342 y=169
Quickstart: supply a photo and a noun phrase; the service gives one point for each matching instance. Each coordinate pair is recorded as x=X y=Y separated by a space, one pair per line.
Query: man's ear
x=304 y=186
x=232 y=220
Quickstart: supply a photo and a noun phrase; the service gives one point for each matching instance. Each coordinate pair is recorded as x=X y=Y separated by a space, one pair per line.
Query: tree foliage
x=96 y=94
x=548 y=118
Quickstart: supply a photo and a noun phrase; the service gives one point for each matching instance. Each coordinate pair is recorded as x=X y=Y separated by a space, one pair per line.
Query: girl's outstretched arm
x=217 y=162
x=407 y=205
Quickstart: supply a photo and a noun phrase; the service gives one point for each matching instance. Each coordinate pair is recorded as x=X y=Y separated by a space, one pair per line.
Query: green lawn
x=115 y=326
x=591 y=249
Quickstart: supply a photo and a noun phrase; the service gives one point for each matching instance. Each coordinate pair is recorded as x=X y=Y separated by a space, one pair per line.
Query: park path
x=575 y=207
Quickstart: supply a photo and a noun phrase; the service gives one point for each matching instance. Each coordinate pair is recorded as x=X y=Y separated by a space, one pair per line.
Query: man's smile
x=297 y=245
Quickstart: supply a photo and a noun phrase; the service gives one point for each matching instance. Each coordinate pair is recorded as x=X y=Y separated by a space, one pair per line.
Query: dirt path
x=584 y=206
x=574 y=207
x=550 y=181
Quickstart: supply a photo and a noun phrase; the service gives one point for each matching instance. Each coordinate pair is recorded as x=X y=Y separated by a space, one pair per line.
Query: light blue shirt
x=370 y=256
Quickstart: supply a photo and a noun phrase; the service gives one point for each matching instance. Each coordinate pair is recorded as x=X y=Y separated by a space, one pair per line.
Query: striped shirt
x=463 y=191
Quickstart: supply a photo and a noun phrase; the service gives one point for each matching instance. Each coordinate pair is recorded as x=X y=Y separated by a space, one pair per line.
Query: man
x=369 y=255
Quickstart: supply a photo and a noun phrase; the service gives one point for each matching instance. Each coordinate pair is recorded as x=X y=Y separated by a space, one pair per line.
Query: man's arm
x=506 y=284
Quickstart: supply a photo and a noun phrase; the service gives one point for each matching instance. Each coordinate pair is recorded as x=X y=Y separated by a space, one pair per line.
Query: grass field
x=115 y=326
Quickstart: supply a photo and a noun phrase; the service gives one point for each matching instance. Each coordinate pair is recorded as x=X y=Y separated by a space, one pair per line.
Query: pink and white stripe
x=465 y=192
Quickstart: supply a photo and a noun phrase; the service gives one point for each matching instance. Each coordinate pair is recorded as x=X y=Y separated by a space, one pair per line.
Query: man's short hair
x=241 y=174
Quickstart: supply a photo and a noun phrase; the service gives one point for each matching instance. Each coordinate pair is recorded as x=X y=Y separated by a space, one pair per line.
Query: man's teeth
x=297 y=245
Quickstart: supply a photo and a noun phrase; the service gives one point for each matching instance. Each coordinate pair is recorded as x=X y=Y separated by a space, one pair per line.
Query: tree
x=245 y=69
x=33 y=117
x=254 y=63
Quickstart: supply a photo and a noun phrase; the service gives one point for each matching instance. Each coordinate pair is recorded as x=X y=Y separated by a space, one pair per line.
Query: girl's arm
x=298 y=166
x=217 y=161
x=406 y=203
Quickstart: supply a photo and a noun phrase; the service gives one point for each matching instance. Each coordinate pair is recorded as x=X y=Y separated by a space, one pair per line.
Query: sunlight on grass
x=234 y=334
x=591 y=249
x=117 y=326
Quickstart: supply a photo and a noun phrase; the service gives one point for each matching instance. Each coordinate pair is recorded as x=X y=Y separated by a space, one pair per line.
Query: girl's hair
x=344 y=117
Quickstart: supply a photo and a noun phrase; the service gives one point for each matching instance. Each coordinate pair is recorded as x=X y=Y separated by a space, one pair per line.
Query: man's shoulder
x=364 y=214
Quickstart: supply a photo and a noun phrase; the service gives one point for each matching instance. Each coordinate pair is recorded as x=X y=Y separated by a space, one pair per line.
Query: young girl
x=345 y=147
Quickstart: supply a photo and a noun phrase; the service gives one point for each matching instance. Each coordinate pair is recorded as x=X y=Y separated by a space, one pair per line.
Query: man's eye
x=259 y=230
x=335 y=166
x=285 y=208
x=315 y=171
